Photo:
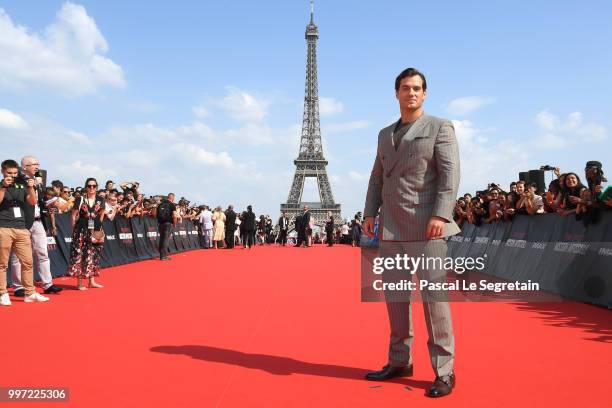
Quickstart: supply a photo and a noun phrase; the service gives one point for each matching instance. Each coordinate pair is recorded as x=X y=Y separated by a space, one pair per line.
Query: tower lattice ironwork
x=310 y=161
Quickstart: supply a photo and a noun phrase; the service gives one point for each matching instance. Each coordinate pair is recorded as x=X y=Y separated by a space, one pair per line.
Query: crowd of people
x=28 y=212
x=566 y=195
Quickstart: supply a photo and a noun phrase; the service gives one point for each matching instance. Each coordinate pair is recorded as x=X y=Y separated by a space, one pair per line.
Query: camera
x=547 y=168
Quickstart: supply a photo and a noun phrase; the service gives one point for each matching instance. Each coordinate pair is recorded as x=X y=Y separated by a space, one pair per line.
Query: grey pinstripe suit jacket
x=417 y=181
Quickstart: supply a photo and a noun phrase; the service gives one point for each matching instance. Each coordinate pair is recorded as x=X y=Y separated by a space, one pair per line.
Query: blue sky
x=205 y=98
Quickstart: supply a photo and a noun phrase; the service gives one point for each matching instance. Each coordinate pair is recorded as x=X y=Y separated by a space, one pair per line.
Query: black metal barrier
x=127 y=240
x=559 y=253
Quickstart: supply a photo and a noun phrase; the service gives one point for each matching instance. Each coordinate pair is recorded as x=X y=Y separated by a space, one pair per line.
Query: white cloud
x=11 y=120
x=84 y=170
x=560 y=134
x=550 y=141
x=483 y=162
x=201 y=112
x=203 y=156
x=251 y=134
x=346 y=126
x=143 y=106
x=329 y=106
x=197 y=129
x=592 y=132
x=79 y=137
x=356 y=176
x=69 y=55
x=547 y=120
x=468 y=104
x=243 y=106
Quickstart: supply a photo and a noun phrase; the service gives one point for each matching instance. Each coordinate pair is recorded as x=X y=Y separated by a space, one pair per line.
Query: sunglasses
x=92 y=185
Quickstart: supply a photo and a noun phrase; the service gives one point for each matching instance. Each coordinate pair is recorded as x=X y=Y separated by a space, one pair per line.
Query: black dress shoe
x=53 y=289
x=388 y=372
x=19 y=293
x=165 y=258
x=442 y=386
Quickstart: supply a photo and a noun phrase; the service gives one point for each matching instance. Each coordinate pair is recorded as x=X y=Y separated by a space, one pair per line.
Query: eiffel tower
x=310 y=161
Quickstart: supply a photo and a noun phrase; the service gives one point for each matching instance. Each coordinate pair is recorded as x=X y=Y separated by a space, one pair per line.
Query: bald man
x=38 y=235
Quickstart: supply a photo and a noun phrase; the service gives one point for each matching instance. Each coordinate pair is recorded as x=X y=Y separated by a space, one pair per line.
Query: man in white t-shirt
x=345 y=233
x=207 y=226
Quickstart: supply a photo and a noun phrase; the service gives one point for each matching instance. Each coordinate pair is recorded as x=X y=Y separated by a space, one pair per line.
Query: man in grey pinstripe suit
x=414 y=184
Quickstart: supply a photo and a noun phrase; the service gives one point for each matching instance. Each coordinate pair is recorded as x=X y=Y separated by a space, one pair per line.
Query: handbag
x=97 y=237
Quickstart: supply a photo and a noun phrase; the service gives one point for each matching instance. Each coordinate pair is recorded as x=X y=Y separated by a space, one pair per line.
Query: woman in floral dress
x=87 y=216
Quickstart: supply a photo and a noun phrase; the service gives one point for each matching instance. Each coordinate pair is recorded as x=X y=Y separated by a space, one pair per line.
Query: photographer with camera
x=15 y=201
x=41 y=226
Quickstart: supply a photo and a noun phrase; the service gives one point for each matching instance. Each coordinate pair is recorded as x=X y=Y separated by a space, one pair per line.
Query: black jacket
x=329 y=225
x=248 y=221
x=298 y=222
x=280 y=223
x=29 y=210
x=306 y=220
x=230 y=220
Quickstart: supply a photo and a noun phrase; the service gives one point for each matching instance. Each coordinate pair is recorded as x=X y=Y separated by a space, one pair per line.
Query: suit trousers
x=282 y=237
x=249 y=238
x=40 y=253
x=17 y=240
x=441 y=342
x=229 y=238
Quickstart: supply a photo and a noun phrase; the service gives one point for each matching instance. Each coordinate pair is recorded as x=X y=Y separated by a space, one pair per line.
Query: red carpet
x=284 y=327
